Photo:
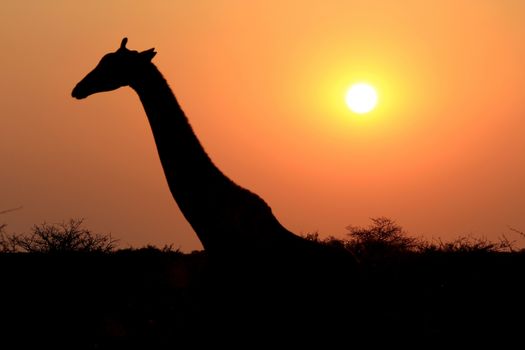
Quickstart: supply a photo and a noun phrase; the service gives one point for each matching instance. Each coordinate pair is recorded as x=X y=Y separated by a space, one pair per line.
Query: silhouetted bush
x=151 y=249
x=382 y=236
x=6 y=244
x=385 y=237
x=467 y=244
x=53 y=238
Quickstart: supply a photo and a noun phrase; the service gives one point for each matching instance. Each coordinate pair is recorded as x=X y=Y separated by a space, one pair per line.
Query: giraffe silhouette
x=235 y=226
x=226 y=217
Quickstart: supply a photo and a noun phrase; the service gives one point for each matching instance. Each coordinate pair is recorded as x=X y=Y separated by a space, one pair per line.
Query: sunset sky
x=263 y=84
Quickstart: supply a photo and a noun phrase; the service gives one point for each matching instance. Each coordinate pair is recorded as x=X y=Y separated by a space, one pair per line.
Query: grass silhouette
x=407 y=292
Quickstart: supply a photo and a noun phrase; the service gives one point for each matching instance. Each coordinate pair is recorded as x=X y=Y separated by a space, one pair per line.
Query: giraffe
x=225 y=216
x=232 y=223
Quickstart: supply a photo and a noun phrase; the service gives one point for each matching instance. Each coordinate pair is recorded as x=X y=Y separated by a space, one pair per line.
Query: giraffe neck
x=222 y=214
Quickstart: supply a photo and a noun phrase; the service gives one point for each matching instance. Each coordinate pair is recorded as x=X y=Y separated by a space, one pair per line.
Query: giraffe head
x=116 y=69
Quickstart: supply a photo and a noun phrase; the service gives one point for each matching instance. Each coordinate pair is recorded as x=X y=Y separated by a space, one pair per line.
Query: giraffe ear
x=148 y=54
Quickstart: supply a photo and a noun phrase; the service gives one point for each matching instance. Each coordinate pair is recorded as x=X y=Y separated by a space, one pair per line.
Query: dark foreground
x=148 y=299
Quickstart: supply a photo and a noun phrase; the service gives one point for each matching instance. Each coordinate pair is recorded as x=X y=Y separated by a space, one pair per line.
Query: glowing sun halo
x=361 y=98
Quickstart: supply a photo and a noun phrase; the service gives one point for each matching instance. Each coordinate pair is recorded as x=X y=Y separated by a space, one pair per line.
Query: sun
x=361 y=98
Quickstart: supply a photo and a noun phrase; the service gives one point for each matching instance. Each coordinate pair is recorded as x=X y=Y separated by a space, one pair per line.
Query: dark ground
x=148 y=299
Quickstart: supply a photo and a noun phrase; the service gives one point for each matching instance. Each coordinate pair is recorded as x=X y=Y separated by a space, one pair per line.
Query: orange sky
x=263 y=85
